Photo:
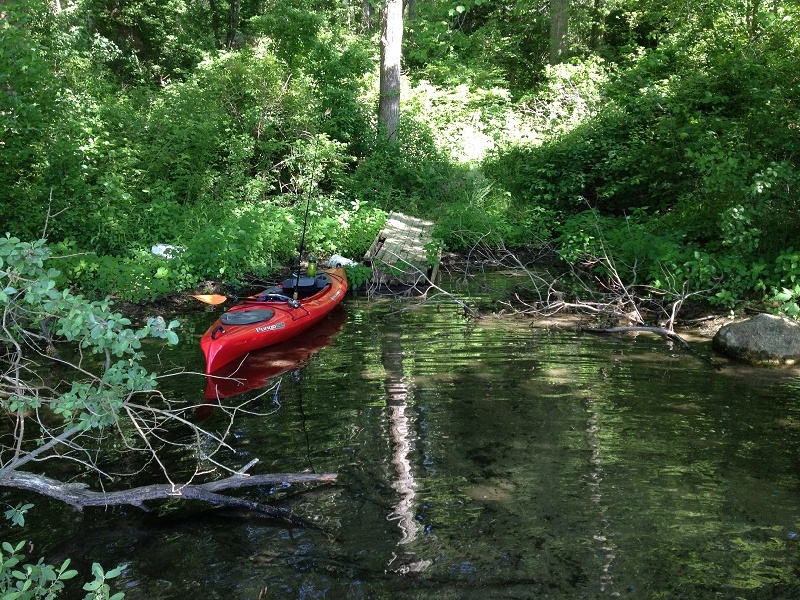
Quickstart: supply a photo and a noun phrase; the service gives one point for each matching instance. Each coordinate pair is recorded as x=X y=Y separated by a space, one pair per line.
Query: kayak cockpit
x=246 y=317
x=305 y=286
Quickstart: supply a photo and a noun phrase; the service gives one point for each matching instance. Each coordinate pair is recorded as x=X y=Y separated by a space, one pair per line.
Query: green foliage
x=479 y=211
x=570 y=95
x=126 y=126
x=98 y=589
x=245 y=238
x=407 y=176
x=786 y=285
x=17 y=514
x=336 y=227
x=30 y=298
x=315 y=162
x=42 y=581
x=147 y=41
x=30 y=581
x=329 y=59
x=478 y=43
x=294 y=30
x=138 y=278
x=357 y=275
x=30 y=107
x=468 y=121
x=646 y=255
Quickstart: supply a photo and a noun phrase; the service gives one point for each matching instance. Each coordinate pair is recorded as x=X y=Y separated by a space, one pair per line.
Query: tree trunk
x=391 y=54
x=753 y=8
x=598 y=25
x=215 y=23
x=411 y=9
x=367 y=15
x=559 y=22
x=233 y=23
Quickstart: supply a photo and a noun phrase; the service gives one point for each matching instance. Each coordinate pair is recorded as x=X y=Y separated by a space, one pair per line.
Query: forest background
x=661 y=134
x=649 y=144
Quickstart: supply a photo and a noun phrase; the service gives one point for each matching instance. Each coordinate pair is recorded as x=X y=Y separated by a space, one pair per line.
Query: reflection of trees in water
x=398 y=390
x=594 y=480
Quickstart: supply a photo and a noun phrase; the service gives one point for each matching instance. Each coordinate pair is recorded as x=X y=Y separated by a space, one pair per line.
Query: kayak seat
x=308 y=285
x=247 y=317
x=270 y=294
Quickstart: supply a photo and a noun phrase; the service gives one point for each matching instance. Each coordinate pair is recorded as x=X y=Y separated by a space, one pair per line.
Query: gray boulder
x=760 y=340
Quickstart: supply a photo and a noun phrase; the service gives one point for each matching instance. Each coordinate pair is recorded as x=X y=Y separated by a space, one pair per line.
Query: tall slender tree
x=598 y=25
x=559 y=23
x=367 y=14
x=391 y=55
x=233 y=22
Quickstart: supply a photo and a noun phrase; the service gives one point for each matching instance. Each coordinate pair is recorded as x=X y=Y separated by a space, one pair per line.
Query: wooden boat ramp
x=404 y=254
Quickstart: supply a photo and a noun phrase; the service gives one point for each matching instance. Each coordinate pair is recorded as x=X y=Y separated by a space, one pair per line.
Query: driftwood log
x=79 y=496
x=666 y=333
x=657 y=330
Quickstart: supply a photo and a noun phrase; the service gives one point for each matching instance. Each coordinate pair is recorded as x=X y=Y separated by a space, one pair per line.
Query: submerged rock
x=760 y=340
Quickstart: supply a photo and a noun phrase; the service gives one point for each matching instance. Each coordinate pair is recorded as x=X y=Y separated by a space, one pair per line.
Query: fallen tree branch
x=79 y=496
x=657 y=330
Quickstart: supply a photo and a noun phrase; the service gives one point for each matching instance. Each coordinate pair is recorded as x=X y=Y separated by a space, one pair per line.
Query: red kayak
x=272 y=316
x=260 y=368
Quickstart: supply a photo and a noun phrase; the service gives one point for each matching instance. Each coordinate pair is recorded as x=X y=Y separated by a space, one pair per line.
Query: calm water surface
x=483 y=459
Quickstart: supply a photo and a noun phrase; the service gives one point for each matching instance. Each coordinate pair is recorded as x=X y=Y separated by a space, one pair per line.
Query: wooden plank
x=399 y=254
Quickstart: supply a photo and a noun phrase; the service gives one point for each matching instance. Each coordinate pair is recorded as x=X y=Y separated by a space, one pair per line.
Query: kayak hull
x=253 y=324
x=260 y=367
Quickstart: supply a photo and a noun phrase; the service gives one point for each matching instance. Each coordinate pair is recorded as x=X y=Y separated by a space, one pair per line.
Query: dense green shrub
x=335 y=227
x=408 y=176
x=646 y=255
x=250 y=238
x=687 y=124
x=478 y=43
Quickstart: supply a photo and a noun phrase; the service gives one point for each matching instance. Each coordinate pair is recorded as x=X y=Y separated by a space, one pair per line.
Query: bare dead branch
x=78 y=496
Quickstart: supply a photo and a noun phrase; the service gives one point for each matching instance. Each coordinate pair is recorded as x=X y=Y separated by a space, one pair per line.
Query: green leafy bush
x=335 y=227
x=646 y=256
x=411 y=175
x=785 y=292
x=40 y=580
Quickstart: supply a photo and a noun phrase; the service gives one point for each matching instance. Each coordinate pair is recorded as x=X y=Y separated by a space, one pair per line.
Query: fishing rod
x=317 y=162
x=302 y=243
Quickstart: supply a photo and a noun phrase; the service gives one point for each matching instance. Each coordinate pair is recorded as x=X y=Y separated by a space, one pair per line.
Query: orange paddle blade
x=210 y=298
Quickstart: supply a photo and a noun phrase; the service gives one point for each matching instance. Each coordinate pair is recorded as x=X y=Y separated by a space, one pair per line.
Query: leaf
x=97 y=570
x=116 y=571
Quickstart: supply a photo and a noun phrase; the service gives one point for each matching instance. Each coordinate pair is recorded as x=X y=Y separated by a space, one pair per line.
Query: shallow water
x=482 y=459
